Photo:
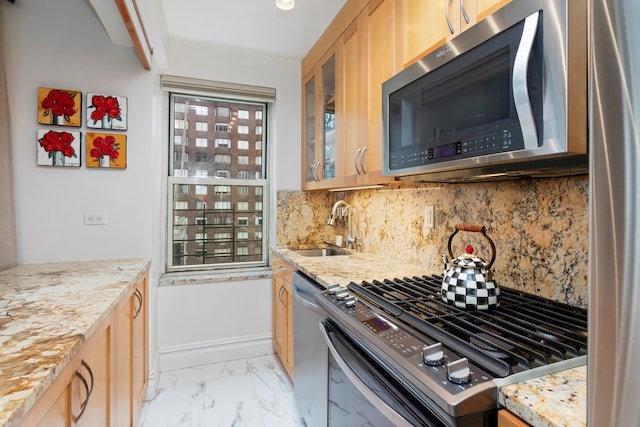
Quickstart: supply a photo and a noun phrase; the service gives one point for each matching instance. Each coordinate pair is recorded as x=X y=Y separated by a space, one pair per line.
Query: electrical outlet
x=428 y=217
x=95 y=219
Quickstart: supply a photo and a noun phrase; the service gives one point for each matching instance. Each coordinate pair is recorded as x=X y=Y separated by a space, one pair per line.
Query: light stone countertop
x=552 y=400
x=555 y=400
x=46 y=312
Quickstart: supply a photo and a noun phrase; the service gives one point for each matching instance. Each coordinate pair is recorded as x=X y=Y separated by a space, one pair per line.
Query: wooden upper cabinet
x=321 y=139
x=426 y=25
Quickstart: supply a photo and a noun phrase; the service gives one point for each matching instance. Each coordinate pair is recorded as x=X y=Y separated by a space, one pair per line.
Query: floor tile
x=251 y=392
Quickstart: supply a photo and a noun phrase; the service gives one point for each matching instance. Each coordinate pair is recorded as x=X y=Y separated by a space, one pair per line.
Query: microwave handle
x=520 y=82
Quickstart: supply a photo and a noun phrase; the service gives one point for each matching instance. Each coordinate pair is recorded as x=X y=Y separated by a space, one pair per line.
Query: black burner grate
x=524 y=332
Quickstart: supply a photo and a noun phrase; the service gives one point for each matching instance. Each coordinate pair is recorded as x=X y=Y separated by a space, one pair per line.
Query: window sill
x=199 y=277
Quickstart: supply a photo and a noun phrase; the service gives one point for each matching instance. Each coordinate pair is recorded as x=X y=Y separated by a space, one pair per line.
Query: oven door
x=362 y=392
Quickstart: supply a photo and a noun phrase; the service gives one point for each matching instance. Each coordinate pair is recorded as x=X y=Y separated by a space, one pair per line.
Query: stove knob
x=342 y=293
x=458 y=371
x=333 y=288
x=350 y=301
x=433 y=355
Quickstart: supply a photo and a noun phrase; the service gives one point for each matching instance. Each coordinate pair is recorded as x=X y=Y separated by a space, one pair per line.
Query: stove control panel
x=419 y=355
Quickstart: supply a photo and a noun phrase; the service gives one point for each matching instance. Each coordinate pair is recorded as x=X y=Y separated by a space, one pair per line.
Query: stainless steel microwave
x=507 y=98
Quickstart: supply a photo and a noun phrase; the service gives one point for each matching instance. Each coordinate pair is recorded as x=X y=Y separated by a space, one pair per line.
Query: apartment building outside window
x=216 y=195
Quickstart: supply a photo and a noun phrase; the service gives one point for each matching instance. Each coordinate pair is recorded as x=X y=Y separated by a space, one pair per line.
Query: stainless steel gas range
x=414 y=360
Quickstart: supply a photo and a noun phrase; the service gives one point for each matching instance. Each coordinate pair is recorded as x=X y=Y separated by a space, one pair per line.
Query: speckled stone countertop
x=552 y=400
x=355 y=267
x=558 y=399
x=46 y=312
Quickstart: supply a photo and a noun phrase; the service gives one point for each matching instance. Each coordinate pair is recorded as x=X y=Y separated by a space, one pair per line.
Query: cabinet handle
x=282 y=291
x=316 y=166
x=446 y=15
x=138 y=296
x=355 y=160
x=87 y=388
x=464 y=12
x=362 y=164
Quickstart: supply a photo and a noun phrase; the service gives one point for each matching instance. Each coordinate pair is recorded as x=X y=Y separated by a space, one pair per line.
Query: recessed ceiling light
x=285 y=4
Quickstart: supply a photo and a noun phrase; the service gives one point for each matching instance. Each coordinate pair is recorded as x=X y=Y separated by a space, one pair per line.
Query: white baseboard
x=203 y=353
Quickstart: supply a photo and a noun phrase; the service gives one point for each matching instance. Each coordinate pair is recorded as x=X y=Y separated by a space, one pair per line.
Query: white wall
x=209 y=322
x=61 y=44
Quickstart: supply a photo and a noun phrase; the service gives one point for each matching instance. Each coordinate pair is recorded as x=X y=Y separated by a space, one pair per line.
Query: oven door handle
x=520 y=82
x=376 y=401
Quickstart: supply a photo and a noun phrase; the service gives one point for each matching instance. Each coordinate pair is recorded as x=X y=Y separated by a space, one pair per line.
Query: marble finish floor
x=247 y=392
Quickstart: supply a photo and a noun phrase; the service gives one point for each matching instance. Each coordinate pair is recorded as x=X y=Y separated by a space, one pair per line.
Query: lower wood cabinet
x=508 y=419
x=282 y=293
x=104 y=384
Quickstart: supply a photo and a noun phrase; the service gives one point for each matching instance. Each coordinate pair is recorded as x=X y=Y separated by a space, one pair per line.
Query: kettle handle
x=473 y=228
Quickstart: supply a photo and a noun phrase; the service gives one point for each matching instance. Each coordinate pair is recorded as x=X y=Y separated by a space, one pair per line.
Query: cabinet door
x=309 y=129
x=353 y=83
x=485 y=8
x=122 y=363
x=58 y=413
x=423 y=26
x=328 y=117
x=282 y=313
x=381 y=64
x=90 y=390
x=140 y=349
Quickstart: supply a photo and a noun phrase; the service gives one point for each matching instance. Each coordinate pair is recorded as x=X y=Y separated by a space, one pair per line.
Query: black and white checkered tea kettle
x=468 y=281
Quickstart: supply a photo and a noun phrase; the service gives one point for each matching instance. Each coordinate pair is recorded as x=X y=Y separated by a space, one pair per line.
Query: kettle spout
x=445 y=260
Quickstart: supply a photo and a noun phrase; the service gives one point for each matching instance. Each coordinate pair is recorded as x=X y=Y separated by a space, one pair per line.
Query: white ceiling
x=253 y=25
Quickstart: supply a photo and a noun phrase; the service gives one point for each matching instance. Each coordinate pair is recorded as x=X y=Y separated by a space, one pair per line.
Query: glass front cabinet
x=320 y=152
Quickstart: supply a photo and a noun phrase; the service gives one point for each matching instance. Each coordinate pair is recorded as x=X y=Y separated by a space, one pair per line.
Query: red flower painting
x=106 y=112
x=105 y=147
x=59 y=103
x=58 y=148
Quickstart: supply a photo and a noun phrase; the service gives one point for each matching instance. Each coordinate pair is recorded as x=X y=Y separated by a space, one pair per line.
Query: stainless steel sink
x=315 y=252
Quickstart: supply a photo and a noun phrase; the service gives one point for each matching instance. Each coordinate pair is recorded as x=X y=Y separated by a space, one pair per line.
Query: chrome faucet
x=332 y=216
x=352 y=240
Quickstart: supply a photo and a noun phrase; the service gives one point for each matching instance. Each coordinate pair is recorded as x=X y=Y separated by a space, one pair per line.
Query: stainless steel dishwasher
x=310 y=353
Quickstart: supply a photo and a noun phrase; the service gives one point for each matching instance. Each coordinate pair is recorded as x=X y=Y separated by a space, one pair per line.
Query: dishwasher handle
x=304 y=292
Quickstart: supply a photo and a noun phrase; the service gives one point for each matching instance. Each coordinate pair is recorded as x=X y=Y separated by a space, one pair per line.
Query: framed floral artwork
x=106 y=112
x=58 y=148
x=106 y=150
x=60 y=107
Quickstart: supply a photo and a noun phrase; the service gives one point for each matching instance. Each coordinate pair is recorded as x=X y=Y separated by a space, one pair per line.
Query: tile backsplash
x=539 y=226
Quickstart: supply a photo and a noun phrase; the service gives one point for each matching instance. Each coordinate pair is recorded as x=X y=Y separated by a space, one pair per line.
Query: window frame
x=262 y=185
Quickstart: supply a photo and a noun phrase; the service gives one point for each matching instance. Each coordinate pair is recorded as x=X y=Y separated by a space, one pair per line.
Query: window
x=258 y=145
x=258 y=160
x=181 y=108
x=222 y=127
x=222 y=158
x=258 y=130
x=212 y=203
x=201 y=110
x=223 y=143
x=259 y=115
x=223 y=112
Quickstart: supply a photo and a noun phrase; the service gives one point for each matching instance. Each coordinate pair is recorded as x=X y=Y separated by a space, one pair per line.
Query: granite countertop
x=558 y=399
x=46 y=312
x=552 y=400
x=342 y=270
